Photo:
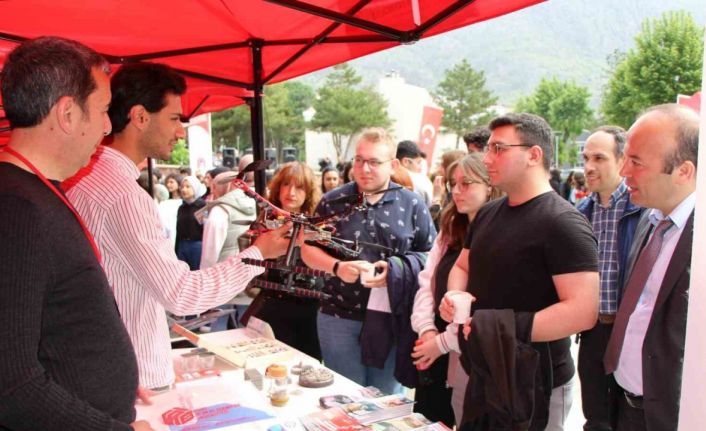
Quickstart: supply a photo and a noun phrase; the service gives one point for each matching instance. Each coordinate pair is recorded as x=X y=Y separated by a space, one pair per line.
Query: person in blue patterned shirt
x=395 y=223
x=614 y=219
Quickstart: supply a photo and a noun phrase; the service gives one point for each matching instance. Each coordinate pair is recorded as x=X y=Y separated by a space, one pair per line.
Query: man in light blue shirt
x=646 y=348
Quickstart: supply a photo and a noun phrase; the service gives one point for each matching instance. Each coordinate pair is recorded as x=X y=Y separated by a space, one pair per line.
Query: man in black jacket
x=66 y=361
x=646 y=348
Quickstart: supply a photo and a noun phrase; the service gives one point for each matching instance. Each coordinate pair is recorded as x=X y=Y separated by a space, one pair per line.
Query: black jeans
x=595 y=384
x=629 y=417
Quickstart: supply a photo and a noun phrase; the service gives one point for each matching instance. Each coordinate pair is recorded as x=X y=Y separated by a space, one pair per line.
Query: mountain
x=569 y=39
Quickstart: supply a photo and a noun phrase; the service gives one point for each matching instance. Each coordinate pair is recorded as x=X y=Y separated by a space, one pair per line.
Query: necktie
x=633 y=290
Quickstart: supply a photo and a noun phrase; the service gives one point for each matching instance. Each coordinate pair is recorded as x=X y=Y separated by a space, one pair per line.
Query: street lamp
x=557 y=135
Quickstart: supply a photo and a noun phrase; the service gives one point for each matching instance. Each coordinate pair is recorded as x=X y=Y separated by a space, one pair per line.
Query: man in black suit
x=646 y=349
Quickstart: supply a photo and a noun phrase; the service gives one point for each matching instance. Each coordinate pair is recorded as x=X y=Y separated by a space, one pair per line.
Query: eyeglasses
x=499 y=148
x=372 y=163
x=463 y=185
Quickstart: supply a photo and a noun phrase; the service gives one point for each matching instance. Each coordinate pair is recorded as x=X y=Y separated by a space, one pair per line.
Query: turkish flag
x=429 y=129
x=693 y=102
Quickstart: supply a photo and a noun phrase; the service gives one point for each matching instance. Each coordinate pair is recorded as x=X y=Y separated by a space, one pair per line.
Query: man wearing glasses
x=395 y=223
x=531 y=252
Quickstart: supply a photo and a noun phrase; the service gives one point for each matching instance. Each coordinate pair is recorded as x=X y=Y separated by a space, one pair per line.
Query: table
x=230 y=387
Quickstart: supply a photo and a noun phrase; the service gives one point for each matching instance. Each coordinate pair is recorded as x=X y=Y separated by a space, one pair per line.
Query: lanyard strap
x=60 y=195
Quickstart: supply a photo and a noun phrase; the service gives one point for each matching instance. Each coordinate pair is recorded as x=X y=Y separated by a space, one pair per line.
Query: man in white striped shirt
x=142 y=268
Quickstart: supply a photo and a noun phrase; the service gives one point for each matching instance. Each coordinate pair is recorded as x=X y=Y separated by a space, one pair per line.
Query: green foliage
x=565 y=106
x=180 y=154
x=666 y=61
x=301 y=96
x=464 y=98
x=232 y=127
x=343 y=108
x=283 y=106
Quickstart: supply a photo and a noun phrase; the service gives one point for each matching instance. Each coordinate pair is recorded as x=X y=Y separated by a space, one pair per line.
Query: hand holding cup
x=461 y=306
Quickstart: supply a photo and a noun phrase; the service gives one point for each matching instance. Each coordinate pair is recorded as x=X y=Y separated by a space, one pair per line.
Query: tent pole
x=256 y=118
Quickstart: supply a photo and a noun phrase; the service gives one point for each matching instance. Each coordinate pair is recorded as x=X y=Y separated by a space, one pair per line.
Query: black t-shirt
x=66 y=361
x=515 y=251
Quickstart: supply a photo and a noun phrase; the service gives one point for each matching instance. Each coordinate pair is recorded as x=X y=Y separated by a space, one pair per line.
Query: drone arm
x=240 y=184
x=316 y=258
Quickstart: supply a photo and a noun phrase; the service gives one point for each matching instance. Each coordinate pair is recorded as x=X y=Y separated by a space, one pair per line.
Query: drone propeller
x=242 y=222
x=257 y=165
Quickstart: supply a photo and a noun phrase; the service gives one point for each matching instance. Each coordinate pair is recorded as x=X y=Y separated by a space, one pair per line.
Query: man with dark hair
x=614 y=219
x=477 y=140
x=412 y=159
x=645 y=352
x=66 y=361
x=533 y=253
x=142 y=269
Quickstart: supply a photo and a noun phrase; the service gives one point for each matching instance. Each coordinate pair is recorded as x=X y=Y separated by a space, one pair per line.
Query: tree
x=180 y=154
x=232 y=127
x=283 y=107
x=666 y=61
x=565 y=106
x=344 y=108
x=301 y=96
x=464 y=98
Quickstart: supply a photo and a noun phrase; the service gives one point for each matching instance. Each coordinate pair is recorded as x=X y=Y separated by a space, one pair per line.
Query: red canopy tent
x=229 y=49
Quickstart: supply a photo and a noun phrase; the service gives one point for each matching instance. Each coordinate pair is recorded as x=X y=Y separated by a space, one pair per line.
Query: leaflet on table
x=211 y=417
x=413 y=422
x=333 y=419
x=340 y=399
x=247 y=353
x=378 y=409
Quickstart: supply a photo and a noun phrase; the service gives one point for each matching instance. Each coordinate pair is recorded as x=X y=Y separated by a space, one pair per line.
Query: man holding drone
x=142 y=268
x=394 y=223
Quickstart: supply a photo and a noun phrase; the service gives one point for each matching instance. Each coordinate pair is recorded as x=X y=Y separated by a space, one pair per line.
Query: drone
x=318 y=229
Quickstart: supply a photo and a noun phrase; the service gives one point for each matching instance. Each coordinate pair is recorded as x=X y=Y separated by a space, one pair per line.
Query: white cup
x=367 y=272
x=462 y=304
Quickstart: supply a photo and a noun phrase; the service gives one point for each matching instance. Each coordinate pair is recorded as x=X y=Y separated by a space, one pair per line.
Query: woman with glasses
x=470 y=189
x=293 y=319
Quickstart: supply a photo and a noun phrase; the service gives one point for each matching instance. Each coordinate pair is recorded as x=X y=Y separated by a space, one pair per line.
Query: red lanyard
x=59 y=195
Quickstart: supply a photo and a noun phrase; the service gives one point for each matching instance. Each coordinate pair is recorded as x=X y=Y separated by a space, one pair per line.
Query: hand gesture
x=274 y=243
x=144 y=395
x=446 y=309
x=141 y=426
x=350 y=271
x=380 y=278
x=425 y=350
x=467 y=328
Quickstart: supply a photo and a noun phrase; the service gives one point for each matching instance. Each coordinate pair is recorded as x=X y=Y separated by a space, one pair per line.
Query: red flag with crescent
x=429 y=129
x=693 y=101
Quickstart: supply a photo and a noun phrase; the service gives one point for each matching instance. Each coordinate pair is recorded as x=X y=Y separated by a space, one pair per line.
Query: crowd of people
x=92 y=264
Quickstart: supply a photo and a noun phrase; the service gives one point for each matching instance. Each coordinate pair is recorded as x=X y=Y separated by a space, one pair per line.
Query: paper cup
x=462 y=305
x=367 y=273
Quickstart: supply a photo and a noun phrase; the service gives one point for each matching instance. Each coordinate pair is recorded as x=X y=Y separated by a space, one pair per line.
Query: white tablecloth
x=231 y=388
